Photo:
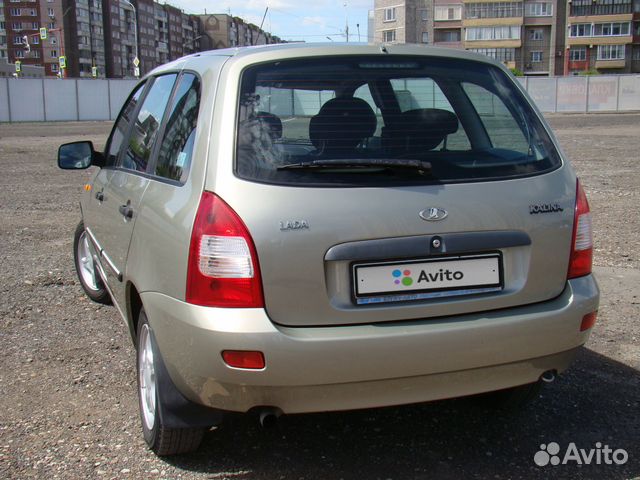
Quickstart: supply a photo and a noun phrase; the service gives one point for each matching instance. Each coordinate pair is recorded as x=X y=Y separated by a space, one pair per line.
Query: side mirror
x=78 y=156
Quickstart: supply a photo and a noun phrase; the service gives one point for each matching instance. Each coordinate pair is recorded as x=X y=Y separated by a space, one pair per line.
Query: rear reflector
x=582 y=240
x=244 y=359
x=588 y=321
x=223 y=266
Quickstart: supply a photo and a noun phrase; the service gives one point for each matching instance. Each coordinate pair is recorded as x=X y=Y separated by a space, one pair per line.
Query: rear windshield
x=386 y=120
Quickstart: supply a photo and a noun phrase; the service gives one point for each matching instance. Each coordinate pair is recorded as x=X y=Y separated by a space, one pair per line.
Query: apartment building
x=225 y=31
x=406 y=21
x=528 y=35
x=103 y=38
x=603 y=35
x=83 y=29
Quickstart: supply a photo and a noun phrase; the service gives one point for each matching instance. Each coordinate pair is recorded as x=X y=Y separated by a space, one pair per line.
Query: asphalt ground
x=68 y=406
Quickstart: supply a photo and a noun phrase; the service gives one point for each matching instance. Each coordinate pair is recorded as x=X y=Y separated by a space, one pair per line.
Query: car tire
x=86 y=268
x=163 y=441
x=513 y=398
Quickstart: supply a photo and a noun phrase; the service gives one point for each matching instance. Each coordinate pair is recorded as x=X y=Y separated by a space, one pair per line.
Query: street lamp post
x=135 y=33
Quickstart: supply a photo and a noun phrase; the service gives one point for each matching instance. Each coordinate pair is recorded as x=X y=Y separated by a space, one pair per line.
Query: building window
x=17 y=26
x=35 y=25
x=35 y=39
x=448 y=12
x=425 y=37
x=424 y=14
x=19 y=53
x=535 y=34
x=447 y=35
x=50 y=12
x=536 y=57
x=32 y=12
x=15 y=12
x=581 y=30
x=17 y=40
x=610 y=52
x=55 y=68
x=389 y=36
x=51 y=25
x=578 y=54
x=611 y=29
x=601 y=7
x=538 y=9
x=493 y=33
x=35 y=53
x=493 y=10
x=389 y=14
x=500 y=54
x=54 y=54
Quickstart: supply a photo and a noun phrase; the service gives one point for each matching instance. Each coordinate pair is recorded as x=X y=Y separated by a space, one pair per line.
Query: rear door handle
x=100 y=196
x=126 y=211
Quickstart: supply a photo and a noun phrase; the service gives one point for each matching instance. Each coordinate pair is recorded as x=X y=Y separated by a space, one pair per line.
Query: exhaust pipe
x=268 y=417
x=549 y=376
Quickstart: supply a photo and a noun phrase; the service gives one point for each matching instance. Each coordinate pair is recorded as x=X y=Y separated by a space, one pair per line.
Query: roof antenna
x=261 y=24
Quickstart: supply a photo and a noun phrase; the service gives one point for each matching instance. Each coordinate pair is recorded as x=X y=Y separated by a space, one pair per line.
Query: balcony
x=597 y=9
x=610 y=63
x=604 y=40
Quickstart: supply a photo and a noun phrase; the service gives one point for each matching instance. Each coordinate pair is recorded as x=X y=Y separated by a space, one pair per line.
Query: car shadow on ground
x=597 y=400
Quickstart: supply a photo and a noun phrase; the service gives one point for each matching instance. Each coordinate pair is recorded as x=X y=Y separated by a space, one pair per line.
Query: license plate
x=422 y=279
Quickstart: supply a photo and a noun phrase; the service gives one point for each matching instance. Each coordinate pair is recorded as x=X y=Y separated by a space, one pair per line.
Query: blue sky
x=308 y=20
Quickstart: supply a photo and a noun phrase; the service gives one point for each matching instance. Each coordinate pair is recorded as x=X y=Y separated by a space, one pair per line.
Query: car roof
x=274 y=52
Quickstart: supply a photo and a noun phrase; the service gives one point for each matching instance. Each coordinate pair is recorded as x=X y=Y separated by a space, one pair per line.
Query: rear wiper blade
x=421 y=166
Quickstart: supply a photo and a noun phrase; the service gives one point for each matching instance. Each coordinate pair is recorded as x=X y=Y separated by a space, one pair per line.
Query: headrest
x=272 y=122
x=341 y=124
x=426 y=128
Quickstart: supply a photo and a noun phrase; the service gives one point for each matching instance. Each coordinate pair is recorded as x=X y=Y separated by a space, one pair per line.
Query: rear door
x=352 y=245
x=129 y=180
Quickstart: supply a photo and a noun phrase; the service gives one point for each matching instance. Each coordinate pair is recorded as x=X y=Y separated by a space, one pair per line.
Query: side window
x=146 y=126
x=120 y=129
x=502 y=128
x=174 y=156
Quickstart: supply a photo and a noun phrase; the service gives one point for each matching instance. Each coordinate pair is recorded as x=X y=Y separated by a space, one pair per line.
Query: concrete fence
x=43 y=100
x=585 y=94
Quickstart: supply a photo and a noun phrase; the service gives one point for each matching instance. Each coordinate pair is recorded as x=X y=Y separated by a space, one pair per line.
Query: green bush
x=517 y=72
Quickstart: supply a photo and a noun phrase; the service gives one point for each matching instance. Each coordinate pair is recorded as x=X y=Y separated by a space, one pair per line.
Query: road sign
x=43 y=34
x=136 y=62
x=18 y=66
x=136 y=72
x=63 y=62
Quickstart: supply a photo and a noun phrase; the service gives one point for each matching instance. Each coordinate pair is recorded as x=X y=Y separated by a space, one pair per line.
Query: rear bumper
x=349 y=367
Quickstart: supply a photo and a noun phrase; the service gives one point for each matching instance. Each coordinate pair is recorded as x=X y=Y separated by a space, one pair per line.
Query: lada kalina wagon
x=304 y=228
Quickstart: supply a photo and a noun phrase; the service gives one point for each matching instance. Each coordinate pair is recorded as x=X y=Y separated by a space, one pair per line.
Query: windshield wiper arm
x=421 y=166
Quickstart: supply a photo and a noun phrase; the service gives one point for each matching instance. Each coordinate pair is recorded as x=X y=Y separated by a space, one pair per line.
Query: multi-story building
x=146 y=35
x=21 y=32
x=83 y=28
x=224 y=31
x=104 y=37
x=528 y=35
x=603 y=35
x=406 y=21
x=447 y=23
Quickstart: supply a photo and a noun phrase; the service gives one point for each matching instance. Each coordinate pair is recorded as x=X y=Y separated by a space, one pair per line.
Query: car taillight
x=582 y=240
x=223 y=268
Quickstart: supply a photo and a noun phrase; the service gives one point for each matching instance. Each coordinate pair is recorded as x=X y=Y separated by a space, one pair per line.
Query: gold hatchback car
x=303 y=228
